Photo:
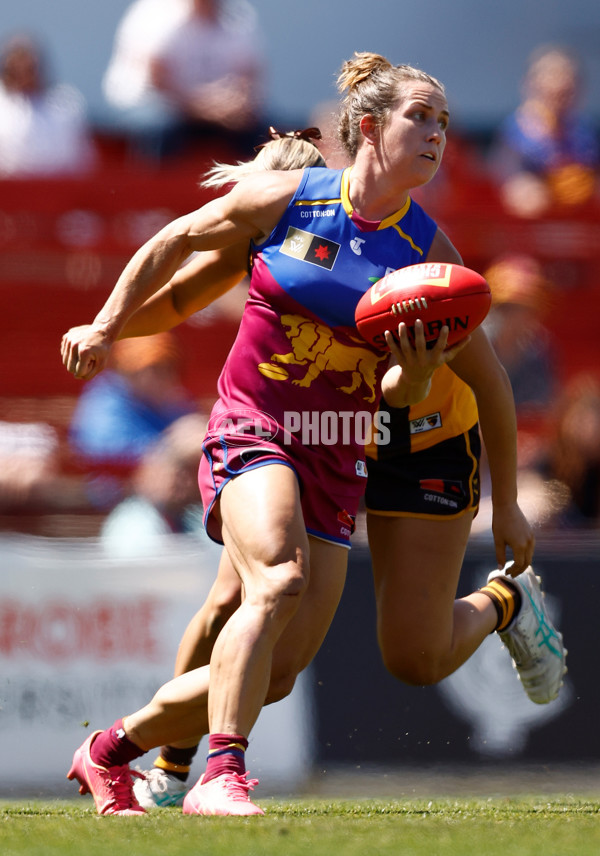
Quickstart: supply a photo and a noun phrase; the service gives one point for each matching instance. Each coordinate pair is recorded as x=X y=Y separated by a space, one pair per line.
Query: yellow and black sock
x=506 y=597
x=176 y=762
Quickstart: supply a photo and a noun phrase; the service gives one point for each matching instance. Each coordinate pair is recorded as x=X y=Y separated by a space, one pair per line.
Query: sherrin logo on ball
x=438 y=294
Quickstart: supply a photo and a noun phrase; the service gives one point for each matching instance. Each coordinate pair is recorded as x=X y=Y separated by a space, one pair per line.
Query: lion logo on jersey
x=314 y=344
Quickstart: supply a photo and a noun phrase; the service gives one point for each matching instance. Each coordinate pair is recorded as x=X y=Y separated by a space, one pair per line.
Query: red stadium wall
x=64 y=242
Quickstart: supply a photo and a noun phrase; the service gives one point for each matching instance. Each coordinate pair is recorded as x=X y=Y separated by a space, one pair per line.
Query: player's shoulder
x=443 y=250
x=267 y=185
x=324 y=180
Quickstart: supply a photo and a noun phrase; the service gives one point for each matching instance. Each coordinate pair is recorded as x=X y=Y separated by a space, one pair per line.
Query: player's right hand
x=84 y=351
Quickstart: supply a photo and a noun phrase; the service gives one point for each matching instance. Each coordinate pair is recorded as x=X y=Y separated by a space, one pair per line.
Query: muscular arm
x=249 y=211
x=478 y=366
x=195 y=286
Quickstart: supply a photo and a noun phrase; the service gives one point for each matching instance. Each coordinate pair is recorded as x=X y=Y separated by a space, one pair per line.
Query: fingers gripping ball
x=439 y=294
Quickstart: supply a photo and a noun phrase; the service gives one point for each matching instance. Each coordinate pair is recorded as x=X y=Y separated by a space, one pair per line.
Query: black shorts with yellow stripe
x=441 y=481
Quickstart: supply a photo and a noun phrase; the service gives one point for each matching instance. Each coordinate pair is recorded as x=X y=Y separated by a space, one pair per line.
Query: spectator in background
x=521 y=295
x=43 y=126
x=32 y=480
x=325 y=116
x=123 y=411
x=165 y=499
x=573 y=458
x=546 y=152
x=184 y=70
x=127 y=82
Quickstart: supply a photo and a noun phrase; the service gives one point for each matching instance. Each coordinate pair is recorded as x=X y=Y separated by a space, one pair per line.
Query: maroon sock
x=112 y=748
x=226 y=754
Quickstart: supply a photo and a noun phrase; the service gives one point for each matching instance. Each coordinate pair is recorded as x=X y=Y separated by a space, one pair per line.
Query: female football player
x=393 y=124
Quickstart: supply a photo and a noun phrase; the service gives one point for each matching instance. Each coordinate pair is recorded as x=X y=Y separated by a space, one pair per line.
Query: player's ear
x=369 y=128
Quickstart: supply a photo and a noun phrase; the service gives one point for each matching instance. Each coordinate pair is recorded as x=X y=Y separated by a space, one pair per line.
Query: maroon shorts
x=329 y=501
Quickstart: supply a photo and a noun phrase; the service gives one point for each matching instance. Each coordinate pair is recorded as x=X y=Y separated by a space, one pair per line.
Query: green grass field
x=521 y=826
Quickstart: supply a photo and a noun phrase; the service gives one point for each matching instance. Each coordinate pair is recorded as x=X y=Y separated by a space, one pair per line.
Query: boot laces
x=238 y=786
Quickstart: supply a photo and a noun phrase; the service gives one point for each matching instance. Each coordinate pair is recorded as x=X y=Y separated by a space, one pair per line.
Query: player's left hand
x=408 y=381
x=511 y=529
x=420 y=361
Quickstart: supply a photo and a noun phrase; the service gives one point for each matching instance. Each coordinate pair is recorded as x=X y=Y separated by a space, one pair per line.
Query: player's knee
x=281 y=589
x=293 y=582
x=417 y=668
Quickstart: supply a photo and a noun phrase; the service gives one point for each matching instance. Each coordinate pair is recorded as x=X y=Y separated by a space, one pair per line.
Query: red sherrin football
x=439 y=294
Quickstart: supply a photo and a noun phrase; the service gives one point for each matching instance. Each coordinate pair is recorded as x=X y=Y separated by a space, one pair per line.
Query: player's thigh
x=263 y=529
x=305 y=633
x=416 y=568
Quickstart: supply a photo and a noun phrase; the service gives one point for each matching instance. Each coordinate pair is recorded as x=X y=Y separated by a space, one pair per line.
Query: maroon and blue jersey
x=298 y=345
x=298 y=350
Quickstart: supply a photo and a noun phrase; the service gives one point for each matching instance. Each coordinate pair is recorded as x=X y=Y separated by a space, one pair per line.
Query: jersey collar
x=361 y=222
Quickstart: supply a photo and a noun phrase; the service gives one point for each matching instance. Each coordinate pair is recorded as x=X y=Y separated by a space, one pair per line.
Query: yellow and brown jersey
x=429 y=466
x=449 y=410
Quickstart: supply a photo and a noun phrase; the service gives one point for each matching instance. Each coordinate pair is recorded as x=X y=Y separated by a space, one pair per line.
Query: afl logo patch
x=307 y=247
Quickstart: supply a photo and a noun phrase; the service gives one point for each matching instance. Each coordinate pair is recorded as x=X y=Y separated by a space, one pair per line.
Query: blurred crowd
x=185 y=73
x=181 y=73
